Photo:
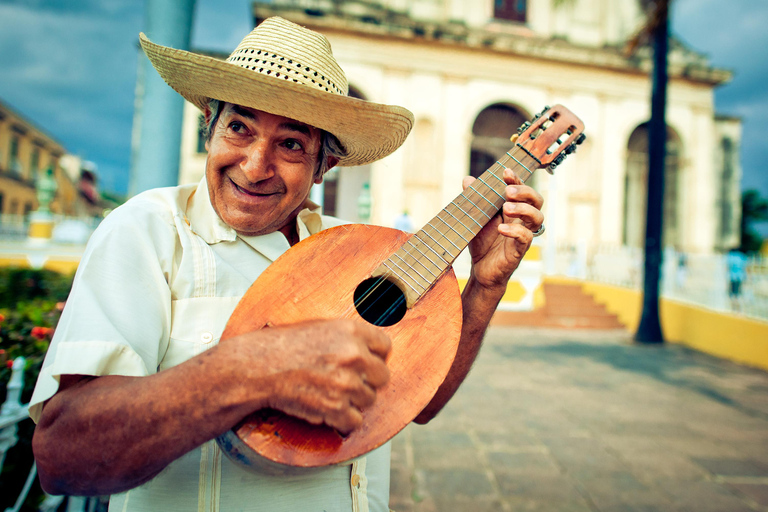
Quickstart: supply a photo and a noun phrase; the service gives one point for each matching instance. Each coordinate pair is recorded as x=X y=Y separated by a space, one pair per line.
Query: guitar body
x=316 y=279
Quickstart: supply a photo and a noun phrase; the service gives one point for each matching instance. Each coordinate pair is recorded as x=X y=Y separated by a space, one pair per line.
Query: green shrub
x=30 y=305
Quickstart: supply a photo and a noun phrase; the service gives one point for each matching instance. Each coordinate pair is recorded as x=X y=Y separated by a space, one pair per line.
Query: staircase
x=566 y=306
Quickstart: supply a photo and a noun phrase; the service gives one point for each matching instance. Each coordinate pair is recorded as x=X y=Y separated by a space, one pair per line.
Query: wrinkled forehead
x=257 y=116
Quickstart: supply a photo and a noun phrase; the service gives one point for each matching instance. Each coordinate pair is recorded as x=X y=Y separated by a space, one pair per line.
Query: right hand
x=321 y=371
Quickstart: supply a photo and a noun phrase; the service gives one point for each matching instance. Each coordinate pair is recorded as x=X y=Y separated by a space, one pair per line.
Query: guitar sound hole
x=380 y=302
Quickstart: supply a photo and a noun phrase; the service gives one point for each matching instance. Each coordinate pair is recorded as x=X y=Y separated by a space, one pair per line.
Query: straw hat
x=288 y=70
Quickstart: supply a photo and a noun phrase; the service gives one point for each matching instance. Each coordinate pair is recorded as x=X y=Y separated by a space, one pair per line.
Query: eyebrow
x=290 y=125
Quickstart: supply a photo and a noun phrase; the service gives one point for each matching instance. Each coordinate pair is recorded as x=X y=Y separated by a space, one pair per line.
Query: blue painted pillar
x=157 y=120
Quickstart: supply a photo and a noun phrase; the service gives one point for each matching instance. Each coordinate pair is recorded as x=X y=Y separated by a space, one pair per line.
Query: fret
x=530 y=172
x=430 y=247
x=409 y=275
x=419 y=259
x=411 y=267
x=451 y=241
x=495 y=176
x=468 y=215
x=459 y=221
x=438 y=243
x=486 y=199
x=452 y=229
x=490 y=187
x=401 y=277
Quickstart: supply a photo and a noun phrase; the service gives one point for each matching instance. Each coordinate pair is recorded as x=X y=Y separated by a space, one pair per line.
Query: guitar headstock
x=551 y=135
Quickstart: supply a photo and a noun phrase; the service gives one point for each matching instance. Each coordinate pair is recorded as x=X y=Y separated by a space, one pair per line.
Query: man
x=135 y=386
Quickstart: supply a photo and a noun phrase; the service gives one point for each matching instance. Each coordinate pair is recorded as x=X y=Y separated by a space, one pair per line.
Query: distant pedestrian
x=682 y=270
x=737 y=272
x=403 y=222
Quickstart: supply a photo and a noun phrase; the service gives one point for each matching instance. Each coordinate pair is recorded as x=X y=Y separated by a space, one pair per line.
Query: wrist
x=485 y=291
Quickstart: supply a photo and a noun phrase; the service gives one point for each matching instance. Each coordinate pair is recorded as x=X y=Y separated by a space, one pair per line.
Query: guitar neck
x=420 y=262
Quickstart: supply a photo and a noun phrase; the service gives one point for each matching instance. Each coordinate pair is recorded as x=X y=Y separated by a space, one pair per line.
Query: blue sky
x=70 y=67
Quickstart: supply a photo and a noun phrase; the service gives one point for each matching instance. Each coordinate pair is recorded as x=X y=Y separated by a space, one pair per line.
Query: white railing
x=67 y=229
x=700 y=279
x=11 y=413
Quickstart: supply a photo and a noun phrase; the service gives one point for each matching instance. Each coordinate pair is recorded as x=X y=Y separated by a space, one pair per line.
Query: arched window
x=636 y=189
x=513 y=10
x=490 y=135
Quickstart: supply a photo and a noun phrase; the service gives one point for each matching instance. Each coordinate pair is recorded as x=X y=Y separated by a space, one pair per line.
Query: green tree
x=754 y=209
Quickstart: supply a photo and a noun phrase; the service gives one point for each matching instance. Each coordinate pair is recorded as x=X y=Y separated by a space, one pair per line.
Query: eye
x=237 y=127
x=293 y=145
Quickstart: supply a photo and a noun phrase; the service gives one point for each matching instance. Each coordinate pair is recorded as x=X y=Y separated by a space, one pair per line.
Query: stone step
x=566 y=306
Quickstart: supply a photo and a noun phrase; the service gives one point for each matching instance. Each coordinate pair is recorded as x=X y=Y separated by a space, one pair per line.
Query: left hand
x=497 y=250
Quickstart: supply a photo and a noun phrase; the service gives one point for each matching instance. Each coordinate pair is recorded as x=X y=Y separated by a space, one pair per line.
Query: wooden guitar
x=404 y=284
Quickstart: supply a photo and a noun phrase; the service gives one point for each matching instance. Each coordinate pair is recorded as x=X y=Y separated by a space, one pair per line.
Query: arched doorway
x=344 y=186
x=491 y=131
x=636 y=190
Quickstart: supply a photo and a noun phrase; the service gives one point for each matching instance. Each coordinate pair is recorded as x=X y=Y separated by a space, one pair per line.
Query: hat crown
x=287 y=51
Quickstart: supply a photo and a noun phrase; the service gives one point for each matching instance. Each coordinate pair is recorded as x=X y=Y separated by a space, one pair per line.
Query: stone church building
x=472 y=72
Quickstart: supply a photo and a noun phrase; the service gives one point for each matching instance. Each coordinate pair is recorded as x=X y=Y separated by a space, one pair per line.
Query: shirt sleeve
x=117 y=318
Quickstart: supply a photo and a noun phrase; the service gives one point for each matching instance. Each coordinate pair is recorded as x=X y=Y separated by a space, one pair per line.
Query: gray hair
x=330 y=146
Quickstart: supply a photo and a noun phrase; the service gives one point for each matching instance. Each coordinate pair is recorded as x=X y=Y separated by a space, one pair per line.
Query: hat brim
x=368 y=131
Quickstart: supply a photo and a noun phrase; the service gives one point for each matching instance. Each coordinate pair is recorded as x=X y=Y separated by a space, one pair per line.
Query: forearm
x=478 y=305
x=112 y=433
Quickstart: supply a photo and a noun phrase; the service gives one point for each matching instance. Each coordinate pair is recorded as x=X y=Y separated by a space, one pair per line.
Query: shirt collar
x=205 y=222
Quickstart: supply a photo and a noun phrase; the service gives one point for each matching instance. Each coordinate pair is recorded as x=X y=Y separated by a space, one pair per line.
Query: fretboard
x=431 y=251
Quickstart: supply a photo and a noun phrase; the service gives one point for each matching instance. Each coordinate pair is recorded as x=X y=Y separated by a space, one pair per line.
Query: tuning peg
x=540 y=113
x=524 y=127
x=571 y=148
x=580 y=138
x=557 y=161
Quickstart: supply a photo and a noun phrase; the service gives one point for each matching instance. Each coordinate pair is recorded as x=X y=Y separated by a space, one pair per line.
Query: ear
x=207 y=114
x=332 y=161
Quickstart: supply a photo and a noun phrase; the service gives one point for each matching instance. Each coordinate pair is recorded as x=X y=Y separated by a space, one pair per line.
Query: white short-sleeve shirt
x=156 y=285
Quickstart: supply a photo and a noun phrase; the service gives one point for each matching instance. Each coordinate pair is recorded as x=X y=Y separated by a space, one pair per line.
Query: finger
x=511 y=178
x=528 y=215
x=375 y=339
x=467 y=181
x=524 y=194
x=346 y=420
x=363 y=396
x=376 y=373
x=517 y=232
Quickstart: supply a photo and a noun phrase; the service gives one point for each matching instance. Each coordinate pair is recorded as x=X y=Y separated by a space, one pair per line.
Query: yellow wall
x=17 y=196
x=729 y=336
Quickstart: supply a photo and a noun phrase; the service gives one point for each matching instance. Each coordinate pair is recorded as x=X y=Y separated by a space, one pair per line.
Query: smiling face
x=260 y=169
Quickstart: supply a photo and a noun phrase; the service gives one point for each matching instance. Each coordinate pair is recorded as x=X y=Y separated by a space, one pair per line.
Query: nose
x=258 y=161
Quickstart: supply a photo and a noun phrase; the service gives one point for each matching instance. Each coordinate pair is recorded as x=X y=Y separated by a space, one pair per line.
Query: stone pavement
x=586 y=421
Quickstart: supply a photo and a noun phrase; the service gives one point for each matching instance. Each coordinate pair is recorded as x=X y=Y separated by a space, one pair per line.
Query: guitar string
x=394 y=305
x=401 y=299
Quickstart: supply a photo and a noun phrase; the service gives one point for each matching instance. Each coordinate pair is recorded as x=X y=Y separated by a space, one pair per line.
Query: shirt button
x=355 y=480
x=206 y=337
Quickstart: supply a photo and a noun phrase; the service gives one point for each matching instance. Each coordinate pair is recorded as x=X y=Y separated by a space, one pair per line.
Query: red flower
x=41 y=333
x=2 y=317
x=9 y=363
